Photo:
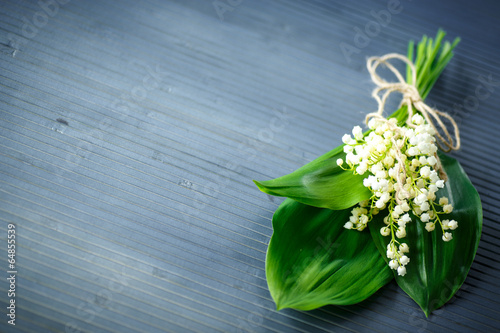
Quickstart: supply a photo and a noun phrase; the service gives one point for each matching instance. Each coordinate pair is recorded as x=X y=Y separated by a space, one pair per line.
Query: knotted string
x=411 y=97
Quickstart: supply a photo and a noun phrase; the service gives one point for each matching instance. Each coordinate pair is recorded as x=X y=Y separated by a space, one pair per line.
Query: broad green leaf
x=320 y=183
x=437 y=269
x=312 y=260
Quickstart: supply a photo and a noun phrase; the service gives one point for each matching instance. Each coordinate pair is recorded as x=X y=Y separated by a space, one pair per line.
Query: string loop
x=411 y=97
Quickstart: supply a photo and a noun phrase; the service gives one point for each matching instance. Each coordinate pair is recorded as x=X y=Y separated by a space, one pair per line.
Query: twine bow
x=411 y=97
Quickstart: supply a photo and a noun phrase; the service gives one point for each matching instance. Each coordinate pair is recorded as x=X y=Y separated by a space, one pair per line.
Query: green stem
x=432 y=56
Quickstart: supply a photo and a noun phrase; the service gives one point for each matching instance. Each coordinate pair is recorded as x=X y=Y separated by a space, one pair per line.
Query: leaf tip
x=260 y=185
x=426 y=309
x=281 y=305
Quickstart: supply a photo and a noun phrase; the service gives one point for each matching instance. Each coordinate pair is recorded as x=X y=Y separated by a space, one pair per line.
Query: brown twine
x=411 y=97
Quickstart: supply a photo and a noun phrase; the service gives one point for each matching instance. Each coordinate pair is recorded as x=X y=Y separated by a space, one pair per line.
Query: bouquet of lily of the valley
x=387 y=203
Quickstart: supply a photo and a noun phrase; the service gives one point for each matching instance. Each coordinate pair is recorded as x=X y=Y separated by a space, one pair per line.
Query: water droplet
x=186 y=183
x=59 y=128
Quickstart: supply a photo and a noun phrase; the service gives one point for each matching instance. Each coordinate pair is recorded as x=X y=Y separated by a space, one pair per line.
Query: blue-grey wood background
x=130 y=132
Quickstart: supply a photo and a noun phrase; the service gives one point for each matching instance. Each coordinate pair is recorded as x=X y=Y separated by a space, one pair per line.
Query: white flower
x=359 y=149
x=412 y=151
x=401 y=233
x=373 y=123
x=364 y=203
x=384 y=185
x=381 y=174
x=434 y=177
x=348 y=225
x=348 y=149
x=398 y=210
x=425 y=206
x=447 y=237
x=347 y=139
x=447 y=208
x=406 y=218
x=429 y=226
x=404 y=248
x=380 y=147
x=424 y=147
x=357 y=132
x=425 y=172
x=431 y=196
x=361 y=169
x=340 y=162
x=424 y=217
x=392 y=173
x=393 y=264
x=386 y=220
x=453 y=224
x=384 y=231
x=440 y=183
x=432 y=160
x=359 y=210
x=420 y=199
x=368 y=182
x=388 y=134
x=388 y=161
x=404 y=260
x=401 y=270
x=390 y=254
x=355 y=159
x=385 y=197
x=443 y=201
x=417 y=119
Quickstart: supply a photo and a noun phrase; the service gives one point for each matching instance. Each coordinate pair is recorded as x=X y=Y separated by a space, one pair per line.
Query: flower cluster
x=402 y=164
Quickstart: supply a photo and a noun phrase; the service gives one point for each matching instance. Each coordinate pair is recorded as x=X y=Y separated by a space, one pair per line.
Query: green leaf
x=320 y=183
x=312 y=260
x=437 y=269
